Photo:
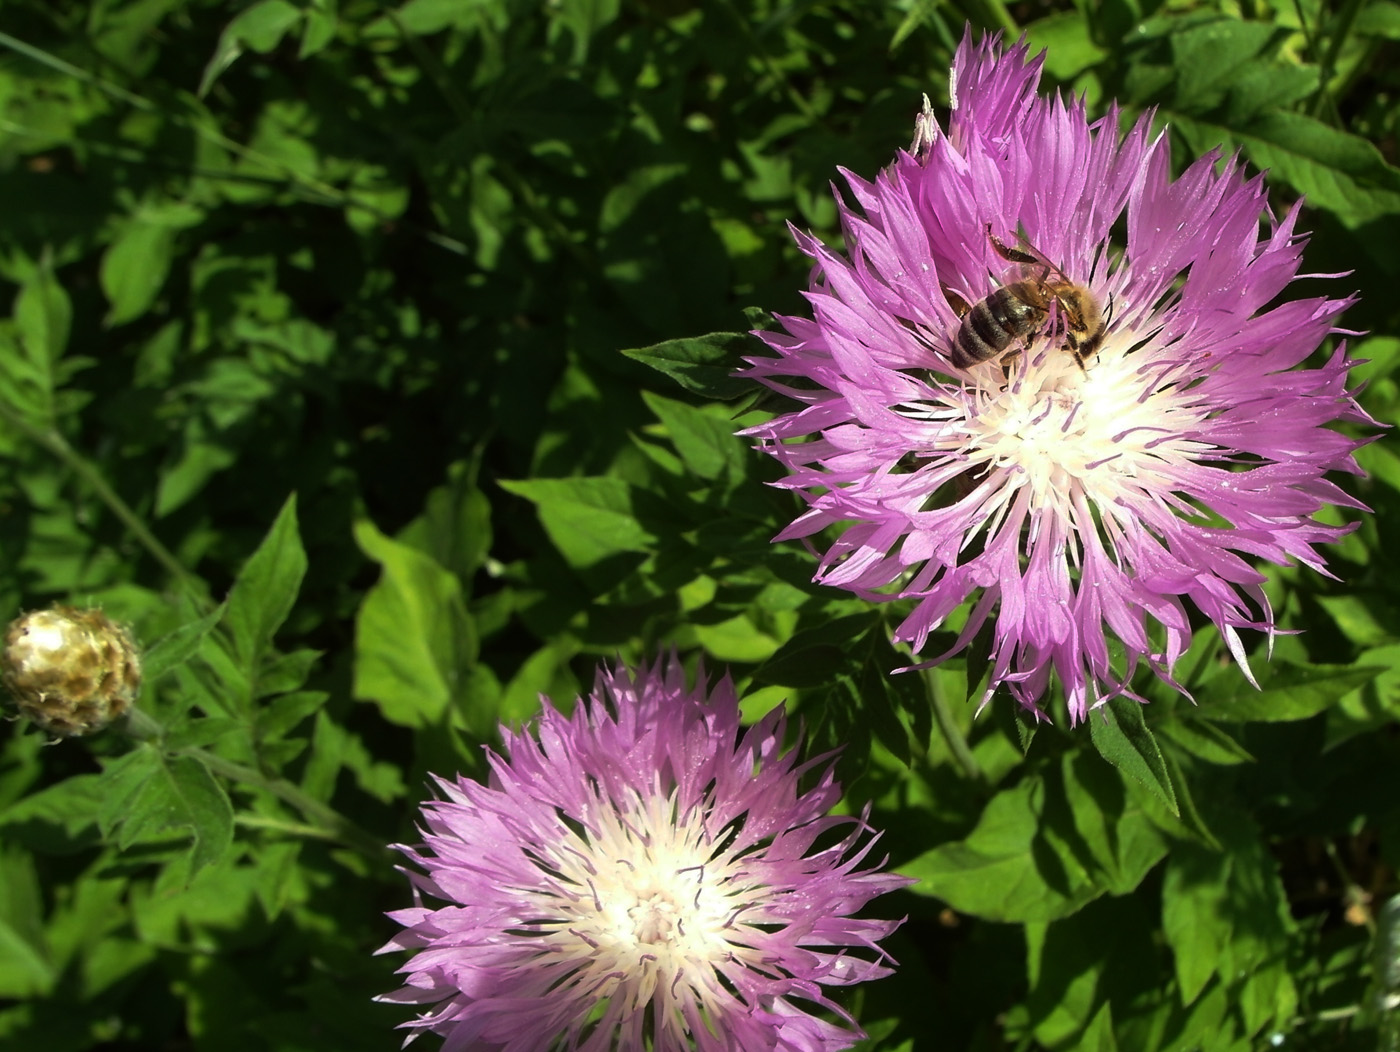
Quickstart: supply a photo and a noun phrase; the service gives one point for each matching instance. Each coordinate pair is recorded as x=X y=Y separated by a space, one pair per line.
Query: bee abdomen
x=988 y=329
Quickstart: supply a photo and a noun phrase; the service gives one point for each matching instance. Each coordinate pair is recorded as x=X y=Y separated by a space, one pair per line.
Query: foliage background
x=385 y=258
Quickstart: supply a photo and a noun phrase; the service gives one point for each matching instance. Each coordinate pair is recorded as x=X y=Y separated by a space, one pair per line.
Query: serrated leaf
x=197 y=733
x=284 y=713
x=1122 y=737
x=155 y=795
x=32 y=350
x=121 y=780
x=174 y=649
x=1205 y=741
x=703 y=365
x=266 y=588
x=43 y=317
x=1337 y=170
x=414 y=640
x=1290 y=692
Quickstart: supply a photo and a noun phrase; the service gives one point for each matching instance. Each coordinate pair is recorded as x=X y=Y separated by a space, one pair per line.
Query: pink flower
x=1064 y=500
x=641 y=875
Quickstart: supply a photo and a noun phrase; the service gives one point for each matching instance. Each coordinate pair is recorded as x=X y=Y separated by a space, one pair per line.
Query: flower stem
x=328 y=820
x=58 y=447
x=952 y=733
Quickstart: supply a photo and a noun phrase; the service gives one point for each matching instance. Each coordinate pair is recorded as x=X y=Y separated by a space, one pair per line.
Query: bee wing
x=1026 y=254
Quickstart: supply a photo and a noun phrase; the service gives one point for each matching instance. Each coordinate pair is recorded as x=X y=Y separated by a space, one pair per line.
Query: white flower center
x=1041 y=422
x=647 y=906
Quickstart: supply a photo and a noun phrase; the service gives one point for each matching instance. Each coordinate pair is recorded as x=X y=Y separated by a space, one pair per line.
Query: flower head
x=642 y=874
x=1049 y=379
x=70 y=670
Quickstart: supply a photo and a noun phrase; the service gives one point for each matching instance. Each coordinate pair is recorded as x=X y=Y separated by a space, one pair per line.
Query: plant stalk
x=952 y=733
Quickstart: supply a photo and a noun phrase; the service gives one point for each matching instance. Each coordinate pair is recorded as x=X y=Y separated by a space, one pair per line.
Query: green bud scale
x=71 y=671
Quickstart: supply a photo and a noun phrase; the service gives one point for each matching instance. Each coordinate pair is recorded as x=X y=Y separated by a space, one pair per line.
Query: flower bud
x=71 y=671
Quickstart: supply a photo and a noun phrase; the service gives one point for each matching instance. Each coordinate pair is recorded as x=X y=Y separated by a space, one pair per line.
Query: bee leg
x=960 y=306
x=1006 y=252
x=1008 y=361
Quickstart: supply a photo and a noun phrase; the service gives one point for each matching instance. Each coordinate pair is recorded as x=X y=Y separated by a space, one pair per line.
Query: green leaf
x=152 y=796
x=1069 y=46
x=1337 y=170
x=999 y=872
x=33 y=351
x=1118 y=842
x=260 y=27
x=44 y=317
x=179 y=646
x=266 y=588
x=287 y=672
x=1204 y=740
x=135 y=265
x=414 y=640
x=705 y=440
x=1290 y=692
x=583 y=19
x=1209 y=56
x=284 y=713
x=1122 y=737
x=703 y=365
x=1379 y=18
x=58 y=820
x=423 y=18
x=814 y=656
x=26 y=968
x=588 y=519
x=318 y=32
x=198 y=733
x=455 y=527
x=1225 y=913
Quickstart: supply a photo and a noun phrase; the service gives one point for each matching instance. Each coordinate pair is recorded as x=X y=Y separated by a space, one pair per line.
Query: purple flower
x=1070 y=494
x=641 y=875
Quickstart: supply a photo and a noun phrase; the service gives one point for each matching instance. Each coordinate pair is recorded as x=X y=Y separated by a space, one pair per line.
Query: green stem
x=1327 y=66
x=326 y=818
x=952 y=733
x=143 y=727
x=277 y=825
x=995 y=11
x=58 y=446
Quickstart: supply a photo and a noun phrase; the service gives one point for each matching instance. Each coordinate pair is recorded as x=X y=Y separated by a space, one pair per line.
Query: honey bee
x=1018 y=310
